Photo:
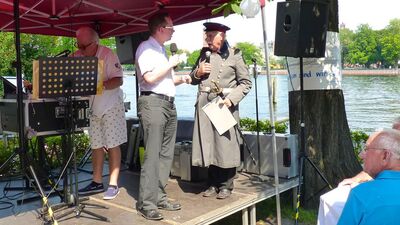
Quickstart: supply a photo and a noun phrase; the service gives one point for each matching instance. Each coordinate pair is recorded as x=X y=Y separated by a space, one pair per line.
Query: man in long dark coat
x=223 y=67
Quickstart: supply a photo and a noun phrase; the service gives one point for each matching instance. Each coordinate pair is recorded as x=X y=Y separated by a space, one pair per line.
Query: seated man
x=377 y=201
x=364 y=176
x=332 y=202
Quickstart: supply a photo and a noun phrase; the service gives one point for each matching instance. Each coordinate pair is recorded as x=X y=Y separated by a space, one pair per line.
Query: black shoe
x=169 y=206
x=151 y=214
x=91 y=188
x=223 y=193
x=210 y=192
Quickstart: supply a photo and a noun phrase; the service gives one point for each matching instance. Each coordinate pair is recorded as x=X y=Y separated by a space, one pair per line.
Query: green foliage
x=228 y=8
x=193 y=57
x=53 y=150
x=390 y=42
x=346 y=39
x=7 y=52
x=366 y=46
x=109 y=42
x=250 y=51
x=6 y=150
x=249 y=124
x=359 y=138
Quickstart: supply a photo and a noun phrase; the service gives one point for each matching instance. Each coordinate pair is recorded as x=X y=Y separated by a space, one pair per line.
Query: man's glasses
x=169 y=27
x=83 y=47
x=368 y=149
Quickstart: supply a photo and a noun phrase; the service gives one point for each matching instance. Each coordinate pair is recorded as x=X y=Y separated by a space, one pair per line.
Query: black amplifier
x=43 y=116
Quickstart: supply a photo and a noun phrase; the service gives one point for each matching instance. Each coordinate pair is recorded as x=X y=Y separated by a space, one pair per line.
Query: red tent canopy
x=108 y=17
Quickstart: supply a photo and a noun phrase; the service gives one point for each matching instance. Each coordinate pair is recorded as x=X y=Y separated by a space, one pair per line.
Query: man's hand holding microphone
x=204 y=66
x=174 y=60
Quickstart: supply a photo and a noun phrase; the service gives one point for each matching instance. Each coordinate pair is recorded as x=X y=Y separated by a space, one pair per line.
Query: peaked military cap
x=215 y=27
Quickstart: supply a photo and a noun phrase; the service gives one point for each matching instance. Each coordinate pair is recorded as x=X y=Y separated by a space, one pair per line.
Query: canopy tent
x=109 y=17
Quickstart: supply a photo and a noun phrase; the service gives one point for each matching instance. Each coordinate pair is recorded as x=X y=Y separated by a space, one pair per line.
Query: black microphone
x=208 y=54
x=173 y=48
x=64 y=53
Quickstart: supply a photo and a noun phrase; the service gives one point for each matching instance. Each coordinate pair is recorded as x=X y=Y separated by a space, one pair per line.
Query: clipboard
x=219 y=115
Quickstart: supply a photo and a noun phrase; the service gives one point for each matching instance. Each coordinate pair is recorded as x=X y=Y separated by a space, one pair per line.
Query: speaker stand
x=303 y=153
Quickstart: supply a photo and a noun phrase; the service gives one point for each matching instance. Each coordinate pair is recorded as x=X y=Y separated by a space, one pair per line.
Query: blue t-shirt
x=375 y=202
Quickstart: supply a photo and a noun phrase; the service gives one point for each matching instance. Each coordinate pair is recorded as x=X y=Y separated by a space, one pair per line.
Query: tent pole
x=271 y=115
x=20 y=112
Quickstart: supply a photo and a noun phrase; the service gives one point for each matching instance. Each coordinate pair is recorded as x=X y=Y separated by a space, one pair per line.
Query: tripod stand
x=303 y=153
x=78 y=205
x=67 y=77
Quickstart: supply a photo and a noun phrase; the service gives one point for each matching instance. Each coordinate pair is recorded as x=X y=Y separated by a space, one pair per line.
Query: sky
x=377 y=13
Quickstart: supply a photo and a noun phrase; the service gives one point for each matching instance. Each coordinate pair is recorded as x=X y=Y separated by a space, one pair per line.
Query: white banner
x=319 y=73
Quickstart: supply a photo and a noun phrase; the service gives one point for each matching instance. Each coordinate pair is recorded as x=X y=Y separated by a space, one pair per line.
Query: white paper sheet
x=219 y=115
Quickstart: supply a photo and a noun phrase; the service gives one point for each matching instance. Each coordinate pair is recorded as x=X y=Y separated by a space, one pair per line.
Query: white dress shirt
x=150 y=55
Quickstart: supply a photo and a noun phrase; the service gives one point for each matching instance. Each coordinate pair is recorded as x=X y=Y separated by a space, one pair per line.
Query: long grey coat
x=210 y=148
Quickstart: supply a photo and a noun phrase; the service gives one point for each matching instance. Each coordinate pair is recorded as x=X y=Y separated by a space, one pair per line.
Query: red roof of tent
x=108 y=17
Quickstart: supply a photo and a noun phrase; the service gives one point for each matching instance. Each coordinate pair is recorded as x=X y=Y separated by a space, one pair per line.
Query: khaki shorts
x=110 y=129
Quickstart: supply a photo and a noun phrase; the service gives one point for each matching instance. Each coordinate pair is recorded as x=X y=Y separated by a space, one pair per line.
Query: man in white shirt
x=107 y=121
x=157 y=114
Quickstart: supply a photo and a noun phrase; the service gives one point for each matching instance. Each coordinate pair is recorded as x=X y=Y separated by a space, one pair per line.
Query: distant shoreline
x=355 y=72
x=345 y=72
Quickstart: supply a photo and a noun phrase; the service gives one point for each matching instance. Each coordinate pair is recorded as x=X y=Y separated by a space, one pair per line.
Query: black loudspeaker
x=127 y=45
x=301 y=29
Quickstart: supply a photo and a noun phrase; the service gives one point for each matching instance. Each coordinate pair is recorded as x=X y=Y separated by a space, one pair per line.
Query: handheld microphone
x=173 y=48
x=208 y=54
x=64 y=53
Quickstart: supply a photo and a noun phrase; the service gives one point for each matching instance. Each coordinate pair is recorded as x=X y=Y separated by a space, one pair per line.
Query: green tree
x=191 y=61
x=346 y=39
x=7 y=52
x=390 y=43
x=363 y=49
x=250 y=51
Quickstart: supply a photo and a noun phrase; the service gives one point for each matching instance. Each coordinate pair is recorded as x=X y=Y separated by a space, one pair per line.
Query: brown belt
x=209 y=90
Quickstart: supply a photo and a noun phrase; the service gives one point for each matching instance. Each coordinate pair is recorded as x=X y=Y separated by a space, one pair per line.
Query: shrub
x=53 y=150
x=359 y=138
x=249 y=124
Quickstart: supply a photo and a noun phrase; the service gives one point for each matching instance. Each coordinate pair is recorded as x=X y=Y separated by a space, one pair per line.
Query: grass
x=266 y=212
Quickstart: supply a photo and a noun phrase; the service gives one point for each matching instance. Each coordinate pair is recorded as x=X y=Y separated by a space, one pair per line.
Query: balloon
x=250 y=8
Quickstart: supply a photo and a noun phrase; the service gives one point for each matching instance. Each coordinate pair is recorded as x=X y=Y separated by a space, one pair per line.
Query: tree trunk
x=328 y=140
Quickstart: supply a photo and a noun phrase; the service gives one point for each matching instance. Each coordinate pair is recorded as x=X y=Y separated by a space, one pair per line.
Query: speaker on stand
x=301 y=28
x=127 y=45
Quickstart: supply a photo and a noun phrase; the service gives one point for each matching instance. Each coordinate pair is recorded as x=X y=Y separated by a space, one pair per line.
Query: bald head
x=387 y=139
x=87 y=40
x=87 y=33
x=382 y=152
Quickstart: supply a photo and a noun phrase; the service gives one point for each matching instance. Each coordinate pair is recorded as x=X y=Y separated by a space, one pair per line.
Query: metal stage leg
x=253 y=215
x=245 y=216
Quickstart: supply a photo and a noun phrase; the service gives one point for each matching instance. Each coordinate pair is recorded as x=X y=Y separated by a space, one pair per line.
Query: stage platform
x=195 y=208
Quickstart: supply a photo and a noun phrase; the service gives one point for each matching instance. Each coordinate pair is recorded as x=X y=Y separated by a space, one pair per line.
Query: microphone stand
x=257 y=118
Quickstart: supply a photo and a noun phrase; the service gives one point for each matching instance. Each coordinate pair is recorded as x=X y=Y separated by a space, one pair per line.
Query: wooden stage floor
x=195 y=208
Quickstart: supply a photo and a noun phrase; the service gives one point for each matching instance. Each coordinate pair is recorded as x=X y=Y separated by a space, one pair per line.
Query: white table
x=331 y=205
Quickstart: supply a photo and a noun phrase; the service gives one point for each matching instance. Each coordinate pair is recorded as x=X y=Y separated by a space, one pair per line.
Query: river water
x=371 y=102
